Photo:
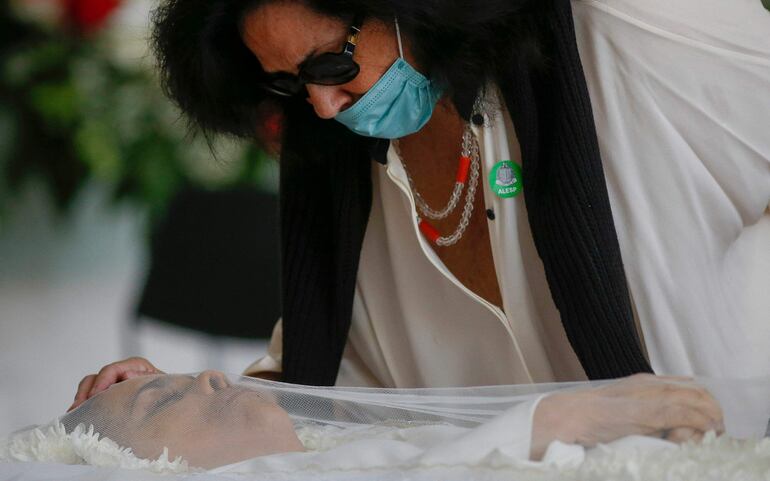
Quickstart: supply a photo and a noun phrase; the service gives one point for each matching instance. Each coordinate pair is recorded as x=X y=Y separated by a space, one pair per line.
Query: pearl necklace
x=469 y=163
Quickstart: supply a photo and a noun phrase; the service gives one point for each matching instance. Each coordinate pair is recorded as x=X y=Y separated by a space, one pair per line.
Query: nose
x=328 y=100
x=209 y=382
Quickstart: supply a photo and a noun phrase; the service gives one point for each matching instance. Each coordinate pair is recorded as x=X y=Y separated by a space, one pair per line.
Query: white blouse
x=681 y=98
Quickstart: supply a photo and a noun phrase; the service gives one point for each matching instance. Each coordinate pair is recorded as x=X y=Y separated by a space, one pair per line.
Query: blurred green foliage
x=71 y=114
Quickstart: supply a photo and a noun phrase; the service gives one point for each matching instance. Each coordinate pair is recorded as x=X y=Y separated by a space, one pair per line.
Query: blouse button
x=490 y=214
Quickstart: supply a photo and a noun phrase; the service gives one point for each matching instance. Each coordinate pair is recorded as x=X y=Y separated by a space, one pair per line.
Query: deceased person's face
x=204 y=419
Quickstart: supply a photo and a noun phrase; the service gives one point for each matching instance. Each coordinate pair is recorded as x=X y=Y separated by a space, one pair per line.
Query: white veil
x=227 y=423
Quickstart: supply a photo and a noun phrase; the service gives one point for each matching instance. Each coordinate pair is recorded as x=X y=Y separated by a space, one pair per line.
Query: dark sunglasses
x=325 y=69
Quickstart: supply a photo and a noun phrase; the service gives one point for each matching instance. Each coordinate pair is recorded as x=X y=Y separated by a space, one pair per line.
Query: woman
x=495 y=292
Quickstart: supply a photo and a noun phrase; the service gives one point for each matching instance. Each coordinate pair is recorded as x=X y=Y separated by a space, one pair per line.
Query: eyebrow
x=307 y=57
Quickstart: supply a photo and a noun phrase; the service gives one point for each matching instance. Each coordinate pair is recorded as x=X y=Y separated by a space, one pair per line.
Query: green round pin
x=505 y=179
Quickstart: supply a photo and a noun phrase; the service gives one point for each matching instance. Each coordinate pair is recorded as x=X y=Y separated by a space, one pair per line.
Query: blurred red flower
x=88 y=16
x=270 y=130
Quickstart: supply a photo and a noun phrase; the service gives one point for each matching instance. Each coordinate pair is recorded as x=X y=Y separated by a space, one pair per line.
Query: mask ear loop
x=398 y=36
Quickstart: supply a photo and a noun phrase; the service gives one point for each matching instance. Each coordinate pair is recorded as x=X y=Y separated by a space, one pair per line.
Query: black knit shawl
x=325 y=208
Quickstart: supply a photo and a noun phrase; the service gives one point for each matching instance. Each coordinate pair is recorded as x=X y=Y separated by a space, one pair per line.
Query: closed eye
x=164 y=401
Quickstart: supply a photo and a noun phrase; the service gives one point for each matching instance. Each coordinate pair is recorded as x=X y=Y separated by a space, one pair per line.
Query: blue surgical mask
x=399 y=104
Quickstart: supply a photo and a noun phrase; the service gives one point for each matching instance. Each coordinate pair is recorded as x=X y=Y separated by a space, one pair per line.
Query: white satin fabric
x=502 y=442
x=681 y=98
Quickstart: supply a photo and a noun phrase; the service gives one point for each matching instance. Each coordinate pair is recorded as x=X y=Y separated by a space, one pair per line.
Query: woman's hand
x=673 y=408
x=110 y=374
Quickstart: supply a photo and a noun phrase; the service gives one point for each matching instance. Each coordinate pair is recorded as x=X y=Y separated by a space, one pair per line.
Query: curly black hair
x=208 y=71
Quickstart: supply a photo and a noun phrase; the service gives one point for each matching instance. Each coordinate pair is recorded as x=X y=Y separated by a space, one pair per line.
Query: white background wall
x=67 y=286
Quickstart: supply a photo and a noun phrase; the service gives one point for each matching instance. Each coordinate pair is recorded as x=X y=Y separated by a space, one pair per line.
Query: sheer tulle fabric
x=212 y=421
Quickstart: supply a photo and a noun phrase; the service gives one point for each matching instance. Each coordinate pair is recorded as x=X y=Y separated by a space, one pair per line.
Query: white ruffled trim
x=52 y=443
x=714 y=458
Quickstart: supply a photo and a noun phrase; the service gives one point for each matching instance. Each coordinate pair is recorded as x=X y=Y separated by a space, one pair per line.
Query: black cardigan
x=325 y=208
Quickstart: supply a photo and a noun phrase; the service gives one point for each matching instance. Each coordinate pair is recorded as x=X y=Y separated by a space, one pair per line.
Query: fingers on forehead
x=86 y=381
x=110 y=369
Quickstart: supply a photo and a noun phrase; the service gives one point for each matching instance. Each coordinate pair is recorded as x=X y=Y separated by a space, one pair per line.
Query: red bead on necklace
x=469 y=166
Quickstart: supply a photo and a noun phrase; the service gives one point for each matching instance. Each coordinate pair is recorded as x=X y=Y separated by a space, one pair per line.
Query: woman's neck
x=431 y=157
